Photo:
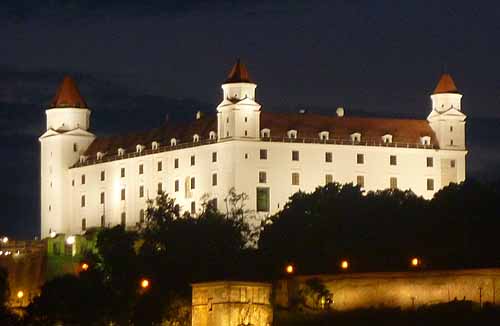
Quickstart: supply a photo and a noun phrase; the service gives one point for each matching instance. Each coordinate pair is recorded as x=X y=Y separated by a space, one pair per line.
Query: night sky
x=137 y=61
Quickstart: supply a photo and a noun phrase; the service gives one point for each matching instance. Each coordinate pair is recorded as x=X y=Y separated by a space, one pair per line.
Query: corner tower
x=65 y=140
x=446 y=118
x=238 y=115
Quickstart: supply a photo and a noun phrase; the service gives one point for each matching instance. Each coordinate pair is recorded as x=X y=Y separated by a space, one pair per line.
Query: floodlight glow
x=5 y=239
x=289 y=269
x=20 y=294
x=344 y=264
x=70 y=240
x=53 y=234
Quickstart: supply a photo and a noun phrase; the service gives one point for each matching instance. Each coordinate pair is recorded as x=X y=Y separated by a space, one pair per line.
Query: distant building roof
x=238 y=74
x=445 y=85
x=68 y=96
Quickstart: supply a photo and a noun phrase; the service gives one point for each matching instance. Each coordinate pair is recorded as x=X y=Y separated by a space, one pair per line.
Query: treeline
x=376 y=231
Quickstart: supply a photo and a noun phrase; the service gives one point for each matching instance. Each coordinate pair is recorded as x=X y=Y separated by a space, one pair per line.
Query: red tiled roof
x=238 y=74
x=307 y=126
x=445 y=85
x=68 y=96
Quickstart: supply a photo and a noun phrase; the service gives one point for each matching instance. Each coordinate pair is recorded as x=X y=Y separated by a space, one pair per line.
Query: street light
x=344 y=264
x=20 y=294
x=145 y=283
x=415 y=262
x=53 y=234
x=289 y=269
x=5 y=240
x=84 y=267
x=70 y=240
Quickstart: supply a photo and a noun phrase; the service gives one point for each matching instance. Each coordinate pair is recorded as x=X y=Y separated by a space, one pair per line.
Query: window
x=160 y=166
x=393 y=183
x=193 y=160
x=176 y=185
x=73 y=182
x=451 y=142
x=123 y=219
x=430 y=162
x=84 y=224
x=214 y=157
x=451 y=128
x=452 y=163
x=83 y=179
x=295 y=179
x=360 y=181
x=292 y=134
x=246 y=133
x=262 y=177
x=214 y=179
x=193 y=207
x=75 y=147
x=139 y=148
x=356 y=137
x=393 y=160
x=176 y=163
x=141 y=216
x=295 y=155
x=141 y=169
x=328 y=178
x=196 y=138
x=265 y=133
x=83 y=201
x=425 y=140
x=99 y=155
x=360 y=158
x=328 y=157
x=122 y=194
x=103 y=175
x=121 y=151
x=212 y=135
x=122 y=172
x=262 y=199
x=103 y=221
x=102 y=198
x=173 y=142
x=324 y=135
x=213 y=203
x=263 y=154
x=246 y=156
x=387 y=138
x=430 y=184
x=141 y=191
x=160 y=187
x=154 y=145
x=246 y=119
x=193 y=183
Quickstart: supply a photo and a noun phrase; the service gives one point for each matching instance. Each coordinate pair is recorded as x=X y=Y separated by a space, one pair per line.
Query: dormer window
x=356 y=137
x=292 y=134
x=155 y=145
x=265 y=133
x=212 y=135
x=324 y=135
x=83 y=158
x=425 y=140
x=139 y=148
x=173 y=142
x=196 y=138
x=121 y=151
x=100 y=155
x=387 y=138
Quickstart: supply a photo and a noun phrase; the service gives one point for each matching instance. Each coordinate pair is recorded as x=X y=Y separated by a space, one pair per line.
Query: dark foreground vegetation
x=377 y=231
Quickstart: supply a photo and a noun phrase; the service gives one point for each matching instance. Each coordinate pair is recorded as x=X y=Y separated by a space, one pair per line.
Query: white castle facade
x=89 y=181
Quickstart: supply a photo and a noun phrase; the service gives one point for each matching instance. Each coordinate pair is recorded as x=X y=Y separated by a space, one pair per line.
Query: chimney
x=340 y=112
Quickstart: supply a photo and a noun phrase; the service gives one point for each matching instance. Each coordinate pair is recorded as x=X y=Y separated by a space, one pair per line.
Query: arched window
x=139 y=148
x=196 y=138
x=292 y=134
x=121 y=151
x=100 y=155
x=141 y=216
x=83 y=158
x=265 y=133
x=425 y=140
x=324 y=135
x=387 y=138
x=212 y=135
x=173 y=142
x=155 y=145
x=356 y=137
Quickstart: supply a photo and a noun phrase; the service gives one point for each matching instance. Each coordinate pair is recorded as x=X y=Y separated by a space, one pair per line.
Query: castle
x=89 y=181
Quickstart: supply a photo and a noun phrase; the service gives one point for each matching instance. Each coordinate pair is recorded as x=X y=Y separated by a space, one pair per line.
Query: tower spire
x=68 y=96
x=445 y=85
x=238 y=74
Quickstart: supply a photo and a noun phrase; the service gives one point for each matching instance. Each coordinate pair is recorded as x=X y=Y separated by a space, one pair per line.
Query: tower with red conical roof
x=238 y=115
x=63 y=143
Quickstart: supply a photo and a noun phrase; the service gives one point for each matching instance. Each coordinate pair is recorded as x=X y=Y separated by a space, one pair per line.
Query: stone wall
x=405 y=289
x=231 y=304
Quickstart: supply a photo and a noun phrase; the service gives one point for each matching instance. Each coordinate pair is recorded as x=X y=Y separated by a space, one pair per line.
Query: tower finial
x=238 y=74
x=68 y=96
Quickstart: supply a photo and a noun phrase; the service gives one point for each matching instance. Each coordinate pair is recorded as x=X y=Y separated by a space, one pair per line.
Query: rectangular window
x=214 y=179
x=360 y=181
x=122 y=194
x=193 y=183
x=193 y=207
x=452 y=163
x=102 y=198
x=213 y=203
x=295 y=155
x=263 y=154
x=176 y=185
x=214 y=157
x=160 y=166
x=360 y=158
x=176 y=163
x=328 y=178
x=393 y=182
x=262 y=177
x=83 y=201
x=262 y=199
x=393 y=160
x=193 y=160
x=123 y=219
x=295 y=179
x=328 y=157
x=141 y=169
x=83 y=179
x=141 y=191
x=103 y=221
x=430 y=162
x=430 y=184
x=103 y=175
x=122 y=172
x=160 y=187
x=141 y=216
x=84 y=224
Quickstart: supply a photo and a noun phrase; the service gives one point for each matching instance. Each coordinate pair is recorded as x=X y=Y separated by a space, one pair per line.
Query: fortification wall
x=405 y=289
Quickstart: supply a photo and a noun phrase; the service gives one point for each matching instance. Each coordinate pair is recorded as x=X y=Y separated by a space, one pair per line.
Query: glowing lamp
x=415 y=262
x=145 y=283
x=84 y=266
x=52 y=234
x=70 y=240
x=344 y=264
x=20 y=294
x=289 y=269
x=5 y=240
